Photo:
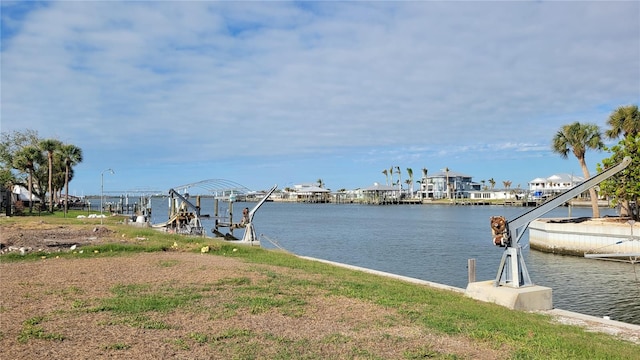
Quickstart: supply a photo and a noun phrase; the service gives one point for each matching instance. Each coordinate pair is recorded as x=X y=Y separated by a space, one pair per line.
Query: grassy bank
x=286 y=287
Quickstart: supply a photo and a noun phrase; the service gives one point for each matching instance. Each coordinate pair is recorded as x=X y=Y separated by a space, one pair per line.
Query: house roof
x=378 y=187
x=559 y=178
x=452 y=174
x=311 y=189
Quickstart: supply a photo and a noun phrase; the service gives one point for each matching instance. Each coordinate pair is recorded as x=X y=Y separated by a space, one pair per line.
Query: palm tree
x=506 y=184
x=577 y=138
x=423 y=181
x=446 y=170
x=399 y=180
x=26 y=159
x=391 y=175
x=320 y=183
x=386 y=175
x=410 y=181
x=624 y=120
x=50 y=146
x=72 y=155
x=493 y=183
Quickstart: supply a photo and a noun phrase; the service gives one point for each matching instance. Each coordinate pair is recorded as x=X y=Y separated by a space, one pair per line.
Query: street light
x=102 y=191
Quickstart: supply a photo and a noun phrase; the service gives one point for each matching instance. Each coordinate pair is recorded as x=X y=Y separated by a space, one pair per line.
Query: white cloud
x=216 y=79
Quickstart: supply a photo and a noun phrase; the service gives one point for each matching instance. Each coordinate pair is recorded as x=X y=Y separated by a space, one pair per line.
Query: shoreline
x=627 y=331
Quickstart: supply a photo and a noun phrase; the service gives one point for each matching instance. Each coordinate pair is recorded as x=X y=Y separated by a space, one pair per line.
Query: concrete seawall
x=593 y=236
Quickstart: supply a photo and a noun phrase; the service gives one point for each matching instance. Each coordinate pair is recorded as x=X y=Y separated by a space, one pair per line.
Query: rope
x=274 y=242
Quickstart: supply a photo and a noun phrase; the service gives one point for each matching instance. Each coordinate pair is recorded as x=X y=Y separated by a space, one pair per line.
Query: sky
x=168 y=93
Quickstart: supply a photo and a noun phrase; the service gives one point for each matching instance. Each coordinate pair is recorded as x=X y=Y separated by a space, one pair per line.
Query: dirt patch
x=48 y=238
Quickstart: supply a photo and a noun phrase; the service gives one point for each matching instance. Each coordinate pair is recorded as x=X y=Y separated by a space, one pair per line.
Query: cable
x=274 y=242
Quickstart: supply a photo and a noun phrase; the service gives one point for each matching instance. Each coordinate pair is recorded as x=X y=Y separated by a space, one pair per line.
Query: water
x=433 y=243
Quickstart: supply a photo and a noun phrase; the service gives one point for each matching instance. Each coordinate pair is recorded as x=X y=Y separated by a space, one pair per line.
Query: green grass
x=117 y=346
x=31 y=329
x=529 y=335
x=141 y=298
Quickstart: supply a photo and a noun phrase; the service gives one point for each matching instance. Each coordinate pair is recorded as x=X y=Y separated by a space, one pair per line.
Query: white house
x=554 y=184
x=311 y=193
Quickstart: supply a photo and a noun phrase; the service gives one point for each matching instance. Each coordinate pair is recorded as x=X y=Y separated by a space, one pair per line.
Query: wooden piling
x=471 y=265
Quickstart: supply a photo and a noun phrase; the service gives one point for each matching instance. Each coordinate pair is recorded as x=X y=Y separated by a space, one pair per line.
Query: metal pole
x=101 y=194
x=102 y=191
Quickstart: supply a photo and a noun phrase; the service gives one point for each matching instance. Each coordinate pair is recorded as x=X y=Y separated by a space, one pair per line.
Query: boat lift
x=512 y=271
x=184 y=217
x=249 y=236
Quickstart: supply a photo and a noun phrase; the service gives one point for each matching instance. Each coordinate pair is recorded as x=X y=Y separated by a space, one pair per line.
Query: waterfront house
x=380 y=194
x=497 y=194
x=311 y=193
x=447 y=185
x=541 y=188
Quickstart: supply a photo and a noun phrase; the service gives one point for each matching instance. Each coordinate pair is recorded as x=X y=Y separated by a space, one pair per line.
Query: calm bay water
x=434 y=242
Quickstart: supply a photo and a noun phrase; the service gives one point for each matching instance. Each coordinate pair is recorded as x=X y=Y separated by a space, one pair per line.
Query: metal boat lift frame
x=513 y=270
x=249 y=236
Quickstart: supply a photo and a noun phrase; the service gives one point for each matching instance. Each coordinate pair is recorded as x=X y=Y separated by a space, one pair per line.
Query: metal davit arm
x=257 y=206
x=523 y=220
x=513 y=270
x=195 y=208
x=249 y=231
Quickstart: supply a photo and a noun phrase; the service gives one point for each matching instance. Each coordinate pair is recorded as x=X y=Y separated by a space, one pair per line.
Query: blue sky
x=262 y=93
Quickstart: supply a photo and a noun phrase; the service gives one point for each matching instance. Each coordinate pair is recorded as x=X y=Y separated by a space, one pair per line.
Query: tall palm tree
x=26 y=159
x=493 y=183
x=446 y=170
x=624 y=120
x=399 y=179
x=320 y=183
x=578 y=138
x=386 y=175
x=72 y=155
x=50 y=146
x=410 y=181
x=391 y=176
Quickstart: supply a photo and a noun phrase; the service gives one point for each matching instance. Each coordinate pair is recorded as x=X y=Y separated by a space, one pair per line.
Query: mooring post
x=471 y=265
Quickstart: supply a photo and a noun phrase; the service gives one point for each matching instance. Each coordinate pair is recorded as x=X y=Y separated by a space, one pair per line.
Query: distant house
x=380 y=194
x=555 y=184
x=497 y=194
x=447 y=185
x=311 y=193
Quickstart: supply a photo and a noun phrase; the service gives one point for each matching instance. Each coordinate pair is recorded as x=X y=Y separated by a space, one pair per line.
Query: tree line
x=43 y=165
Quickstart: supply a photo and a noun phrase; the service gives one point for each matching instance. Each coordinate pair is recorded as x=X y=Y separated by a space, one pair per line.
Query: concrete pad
x=527 y=298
